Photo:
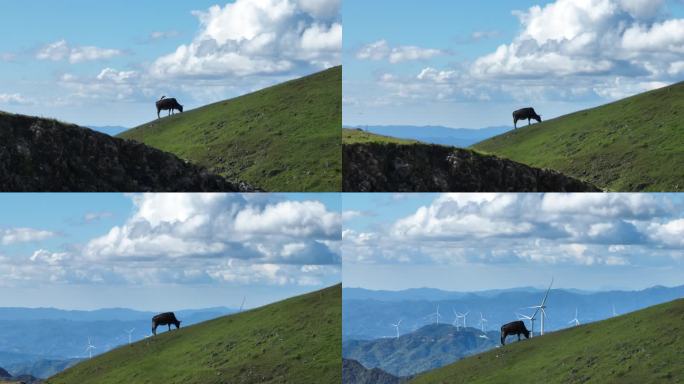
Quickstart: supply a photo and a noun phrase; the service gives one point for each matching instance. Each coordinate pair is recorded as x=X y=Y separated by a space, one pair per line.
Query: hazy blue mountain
x=430 y=294
x=370 y=317
x=41 y=368
x=429 y=347
x=111 y=130
x=457 y=137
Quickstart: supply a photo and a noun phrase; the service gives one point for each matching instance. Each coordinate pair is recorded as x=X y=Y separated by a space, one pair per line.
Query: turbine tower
x=542 y=307
x=614 y=313
x=456 y=317
x=437 y=315
x=464 y=316
x=396 y=326
x=530 y=318
x=90 y=348
x=130 y=332
x=483 y=323
x=243 y=303
x=575 y=320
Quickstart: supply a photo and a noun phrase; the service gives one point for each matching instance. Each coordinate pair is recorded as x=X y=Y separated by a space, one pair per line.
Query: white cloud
x=13 y=98
x=258 y=37
x=566 y=51
x=321 y=9
x=61 y=50
x=160 y=35
x=23 y=235
x=581 y=229
x=670 y=233
x=194 y=238
x=381 y=50
x=589 y=37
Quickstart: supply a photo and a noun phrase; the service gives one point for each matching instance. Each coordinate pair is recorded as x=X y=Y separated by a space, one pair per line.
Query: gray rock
x=42 y=155
x=383 y=167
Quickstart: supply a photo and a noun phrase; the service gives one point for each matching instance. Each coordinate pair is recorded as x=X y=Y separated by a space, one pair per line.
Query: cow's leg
x=518 y=337
x=529 y=121
x=158 y=111
x=169 y=327
x=515 y=123
x=154 y=330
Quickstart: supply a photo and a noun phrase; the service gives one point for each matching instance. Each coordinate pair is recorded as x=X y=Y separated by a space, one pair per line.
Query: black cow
x=166 y=318
x=170 y=105
x=514 y=328
x=525 y=114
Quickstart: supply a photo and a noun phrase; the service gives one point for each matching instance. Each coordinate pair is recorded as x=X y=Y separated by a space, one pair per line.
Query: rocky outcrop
x=383 y=167
x=354 y=372
x=44 y=155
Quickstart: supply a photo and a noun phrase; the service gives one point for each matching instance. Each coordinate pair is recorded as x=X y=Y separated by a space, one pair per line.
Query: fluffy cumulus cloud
x=23 y=235
x=201 y=238
x=582 y=229
x=61 y=50
x=258 y=37
x=589 y=37
x=381 y=50
x=566 y=50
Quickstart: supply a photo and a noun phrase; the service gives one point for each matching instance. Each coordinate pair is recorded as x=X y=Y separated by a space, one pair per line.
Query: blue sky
x=469 y=65
x=157 y=251
x=105 y=63
x=471 y=242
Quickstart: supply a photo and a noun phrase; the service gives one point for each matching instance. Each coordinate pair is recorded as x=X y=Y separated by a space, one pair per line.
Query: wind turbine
x=542 y=307
x=464 y=316
x=531 y=319
x=456 y=317
x=437 y=315
x=243 y=302
x=483 y=323
x=90 y=348
x=575 y=320
x=397 y=327
x=614 y=313
x=130 y=332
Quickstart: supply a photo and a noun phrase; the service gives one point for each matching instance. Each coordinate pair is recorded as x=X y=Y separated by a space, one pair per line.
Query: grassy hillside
x=355 y=136
x=294 y=341
x=282 y=138
x=641 y=347
x=635 y=144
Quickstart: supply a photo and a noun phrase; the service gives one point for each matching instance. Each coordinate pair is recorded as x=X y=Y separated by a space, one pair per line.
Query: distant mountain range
x=111 y=130
x=427 y=348
x=354 y=372
x=368 y=314
x=455 y=137
x=43 y=341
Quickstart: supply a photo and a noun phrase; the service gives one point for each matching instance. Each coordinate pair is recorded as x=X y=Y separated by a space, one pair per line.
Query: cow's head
x=178 y=323
x=180 y=108
x=526 y=333
x=538 y=118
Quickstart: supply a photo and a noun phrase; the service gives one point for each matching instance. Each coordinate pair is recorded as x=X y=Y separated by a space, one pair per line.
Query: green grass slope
x=284 y=138
x=294 y=341
x=635 y=144
x=356 y=136
x=641 y=347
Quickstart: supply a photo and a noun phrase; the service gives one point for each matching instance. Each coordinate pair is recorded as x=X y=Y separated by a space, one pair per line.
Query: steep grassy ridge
x=294 y=341
x=641 y=347
x=282 y=138
x=635 y=144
